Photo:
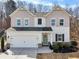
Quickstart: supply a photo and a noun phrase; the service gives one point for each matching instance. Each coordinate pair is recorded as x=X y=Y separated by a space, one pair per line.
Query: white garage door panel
x=28 y=41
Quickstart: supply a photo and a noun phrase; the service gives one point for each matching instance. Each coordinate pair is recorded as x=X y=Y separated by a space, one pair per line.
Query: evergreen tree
x=2 y=44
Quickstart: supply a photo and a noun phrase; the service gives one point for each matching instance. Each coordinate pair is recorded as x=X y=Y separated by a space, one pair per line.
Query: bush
x=63 y=47
x=66 y=48
x=55 y=48
x=74 y=43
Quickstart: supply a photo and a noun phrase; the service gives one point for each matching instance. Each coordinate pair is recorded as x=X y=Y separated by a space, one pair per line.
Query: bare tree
x=10 y=7
x=76 y=11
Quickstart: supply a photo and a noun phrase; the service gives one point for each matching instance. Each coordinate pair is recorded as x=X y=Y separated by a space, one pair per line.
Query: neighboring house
x=37 y=29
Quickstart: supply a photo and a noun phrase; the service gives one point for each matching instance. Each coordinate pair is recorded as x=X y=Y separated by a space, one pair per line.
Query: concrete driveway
x=30 y=52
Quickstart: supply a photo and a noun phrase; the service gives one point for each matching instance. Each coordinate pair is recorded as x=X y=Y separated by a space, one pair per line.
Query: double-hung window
x=26 y=21
x=61 y=22
x=59 y=37
x=53 y=22
x=39 y=21
x=18 y=22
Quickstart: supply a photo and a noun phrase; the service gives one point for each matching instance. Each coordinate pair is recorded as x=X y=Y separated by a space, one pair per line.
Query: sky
x=72 y=3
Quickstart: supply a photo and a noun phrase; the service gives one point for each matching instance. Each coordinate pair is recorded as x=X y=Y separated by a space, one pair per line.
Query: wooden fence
x=59 y=56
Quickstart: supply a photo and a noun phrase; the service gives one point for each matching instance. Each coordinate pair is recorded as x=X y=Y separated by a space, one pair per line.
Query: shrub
x=74 y=43
x=66 y=48
x=55 y=47
x=63 y=47
x=60 y=45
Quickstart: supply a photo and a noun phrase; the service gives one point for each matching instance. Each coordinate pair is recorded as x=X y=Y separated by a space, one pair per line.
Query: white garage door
x=24 y=41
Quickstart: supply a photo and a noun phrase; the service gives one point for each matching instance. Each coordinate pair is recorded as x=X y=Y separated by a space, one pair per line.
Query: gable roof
x=21 y=9
x=58 y=8
x=40 y=14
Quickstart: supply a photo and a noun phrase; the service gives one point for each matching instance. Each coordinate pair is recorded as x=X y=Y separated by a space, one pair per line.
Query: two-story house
x=37 y=29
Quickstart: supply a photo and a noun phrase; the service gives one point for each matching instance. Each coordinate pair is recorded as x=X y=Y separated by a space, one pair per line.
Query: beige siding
x=22 y=15
x=57 y=15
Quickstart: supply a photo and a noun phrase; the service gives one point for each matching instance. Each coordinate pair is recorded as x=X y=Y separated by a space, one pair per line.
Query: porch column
x=51 y=38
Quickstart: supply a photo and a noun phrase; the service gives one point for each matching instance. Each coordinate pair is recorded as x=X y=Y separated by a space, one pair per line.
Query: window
x=18 y=22
x=26 y=22
x=61 y=22
x=59 y=37
x=39 y=21
x=53 y=22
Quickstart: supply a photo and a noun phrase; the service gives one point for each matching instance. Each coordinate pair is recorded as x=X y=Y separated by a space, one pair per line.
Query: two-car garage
x=24 y=40
x=21 y=41
x=26 y=37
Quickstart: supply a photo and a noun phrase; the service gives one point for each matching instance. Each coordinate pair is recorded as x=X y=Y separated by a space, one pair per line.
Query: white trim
x=63 y=22
x=56 y=10
x=51 y=20
x=61 y=30
x=59 y=37
x=20 y=21
x=51 y=38
x=19 y=9
x=24 y=22
x=43 y=22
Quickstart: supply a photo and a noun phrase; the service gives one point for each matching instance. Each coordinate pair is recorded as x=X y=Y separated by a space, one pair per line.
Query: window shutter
x=63 y=37
x=56 y=37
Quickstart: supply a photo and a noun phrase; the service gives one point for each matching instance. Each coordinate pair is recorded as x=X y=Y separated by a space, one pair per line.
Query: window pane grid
x=26 y=22
x=53 y=22
x=62 y=22
x=59 y=37
x=40 y=21
x=18 y=22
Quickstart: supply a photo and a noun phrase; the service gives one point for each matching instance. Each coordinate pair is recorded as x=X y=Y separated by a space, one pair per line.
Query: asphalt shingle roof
x=33 y=28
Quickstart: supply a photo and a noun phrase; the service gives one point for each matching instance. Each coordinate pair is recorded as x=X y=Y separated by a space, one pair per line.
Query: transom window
x=61 y=22
x=59 y=37
x=39 y=21
x=18 y=22
x=26 y=22
x=53 y=22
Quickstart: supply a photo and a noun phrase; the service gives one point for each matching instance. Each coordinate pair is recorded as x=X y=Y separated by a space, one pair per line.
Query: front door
x=45 y=39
